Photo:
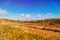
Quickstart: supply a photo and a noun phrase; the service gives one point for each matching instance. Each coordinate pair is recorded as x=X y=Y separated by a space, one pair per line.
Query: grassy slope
x=11 y=30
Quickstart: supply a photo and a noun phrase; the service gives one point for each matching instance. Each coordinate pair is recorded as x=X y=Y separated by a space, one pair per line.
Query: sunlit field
x=29 y=19
x=16 y=30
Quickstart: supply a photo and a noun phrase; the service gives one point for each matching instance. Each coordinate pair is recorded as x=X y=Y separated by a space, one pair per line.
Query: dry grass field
x=15 y=30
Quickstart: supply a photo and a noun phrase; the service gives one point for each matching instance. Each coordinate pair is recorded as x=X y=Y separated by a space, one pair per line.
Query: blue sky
x=29 y=9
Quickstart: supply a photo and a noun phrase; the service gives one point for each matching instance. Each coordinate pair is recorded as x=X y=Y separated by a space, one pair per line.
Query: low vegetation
x=13 y=30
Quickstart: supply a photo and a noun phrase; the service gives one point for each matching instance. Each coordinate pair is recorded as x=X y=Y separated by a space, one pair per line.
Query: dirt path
x=39 y=30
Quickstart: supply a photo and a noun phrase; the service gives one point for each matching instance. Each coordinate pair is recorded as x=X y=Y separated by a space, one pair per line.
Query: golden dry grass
x=26 y=31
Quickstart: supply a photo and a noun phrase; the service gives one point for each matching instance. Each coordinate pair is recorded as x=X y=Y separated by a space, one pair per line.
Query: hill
x=47 y=29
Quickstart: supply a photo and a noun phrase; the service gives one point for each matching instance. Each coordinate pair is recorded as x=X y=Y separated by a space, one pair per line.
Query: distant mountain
x=51 y=21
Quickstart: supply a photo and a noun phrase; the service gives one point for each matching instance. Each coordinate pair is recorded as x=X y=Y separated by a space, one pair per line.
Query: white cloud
x=22 y=15
x=28 y=16
x=31 y=17
x=49 y=14
x=35 y=17
x=2 y=11
x=39 y=16
x=25 y=16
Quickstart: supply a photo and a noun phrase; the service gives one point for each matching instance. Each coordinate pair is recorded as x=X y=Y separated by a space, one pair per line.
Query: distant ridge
x=55 y=20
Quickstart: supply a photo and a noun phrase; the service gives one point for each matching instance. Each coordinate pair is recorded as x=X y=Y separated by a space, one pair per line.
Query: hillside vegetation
x=48 y=29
